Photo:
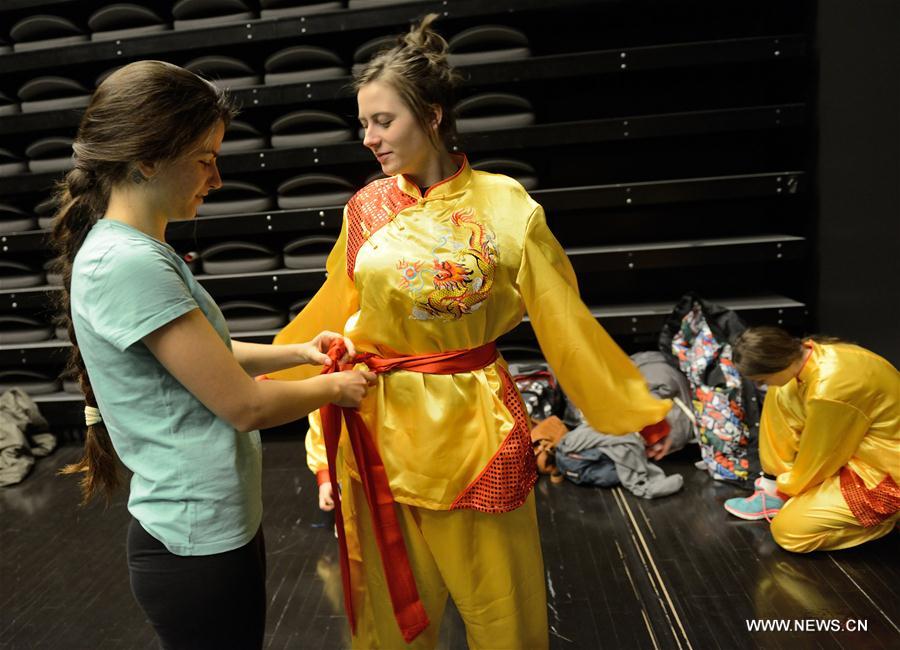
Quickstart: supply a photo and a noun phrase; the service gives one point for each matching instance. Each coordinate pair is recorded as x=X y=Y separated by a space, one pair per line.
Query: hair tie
x=92 y=416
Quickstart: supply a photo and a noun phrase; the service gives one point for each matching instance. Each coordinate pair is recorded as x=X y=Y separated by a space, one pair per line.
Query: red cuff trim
x=653 y=433
x=323 y=476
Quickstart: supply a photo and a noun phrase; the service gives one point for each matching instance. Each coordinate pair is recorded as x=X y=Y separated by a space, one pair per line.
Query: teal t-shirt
x=197 y=481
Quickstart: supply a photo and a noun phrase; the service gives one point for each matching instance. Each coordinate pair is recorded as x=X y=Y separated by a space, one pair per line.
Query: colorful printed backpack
x=696 y=338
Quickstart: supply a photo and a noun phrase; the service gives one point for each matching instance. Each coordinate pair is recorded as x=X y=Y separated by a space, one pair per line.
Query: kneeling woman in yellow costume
x=830 y=437
x=432 y=265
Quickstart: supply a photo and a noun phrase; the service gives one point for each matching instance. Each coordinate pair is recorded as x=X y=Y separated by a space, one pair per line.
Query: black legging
x=200 y=601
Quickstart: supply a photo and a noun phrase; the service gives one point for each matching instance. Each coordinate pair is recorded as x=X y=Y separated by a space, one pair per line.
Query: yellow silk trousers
x=818 y=519
x=490 y=564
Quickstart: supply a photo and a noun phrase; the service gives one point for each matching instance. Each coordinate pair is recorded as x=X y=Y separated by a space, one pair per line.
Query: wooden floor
x=622 y=572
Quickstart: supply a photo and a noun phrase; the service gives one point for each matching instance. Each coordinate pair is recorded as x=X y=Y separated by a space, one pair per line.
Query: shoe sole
x=747 y=516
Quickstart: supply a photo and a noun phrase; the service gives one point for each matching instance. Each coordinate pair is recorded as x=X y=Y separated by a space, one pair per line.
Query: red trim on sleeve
x=653 y=433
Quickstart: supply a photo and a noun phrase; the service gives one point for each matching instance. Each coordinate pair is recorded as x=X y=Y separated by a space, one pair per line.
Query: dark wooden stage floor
x=622 y=572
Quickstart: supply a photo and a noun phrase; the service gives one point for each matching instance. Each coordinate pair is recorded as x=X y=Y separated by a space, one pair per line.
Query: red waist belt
x=512 y=468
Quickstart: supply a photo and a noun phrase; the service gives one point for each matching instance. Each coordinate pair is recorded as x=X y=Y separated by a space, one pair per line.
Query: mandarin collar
x=451 y=185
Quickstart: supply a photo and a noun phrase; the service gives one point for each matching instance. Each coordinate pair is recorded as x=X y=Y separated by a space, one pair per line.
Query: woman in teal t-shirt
x=166 y=390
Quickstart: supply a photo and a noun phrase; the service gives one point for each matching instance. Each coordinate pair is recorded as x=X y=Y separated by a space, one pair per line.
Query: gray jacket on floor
x=18 y=412
x=666 y=382
x=636 y=473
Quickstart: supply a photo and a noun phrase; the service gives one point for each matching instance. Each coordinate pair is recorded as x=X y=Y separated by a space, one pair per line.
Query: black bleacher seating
x=124 y=20
x=668 y=158
x=488 y=44
x=289 y=8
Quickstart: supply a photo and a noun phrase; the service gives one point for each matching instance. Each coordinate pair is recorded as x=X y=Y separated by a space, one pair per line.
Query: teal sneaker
x=760 y=505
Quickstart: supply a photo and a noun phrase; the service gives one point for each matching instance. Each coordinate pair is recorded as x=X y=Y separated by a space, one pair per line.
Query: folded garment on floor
x=637 y=474
x=589 y=467
x=19 y=415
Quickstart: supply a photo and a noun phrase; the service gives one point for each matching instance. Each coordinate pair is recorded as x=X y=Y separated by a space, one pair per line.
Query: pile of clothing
x=586 y=456
x=23 y=436
x=714 y=407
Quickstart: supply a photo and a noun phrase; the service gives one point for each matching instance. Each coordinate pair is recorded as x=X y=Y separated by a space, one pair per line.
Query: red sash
x=408 y=608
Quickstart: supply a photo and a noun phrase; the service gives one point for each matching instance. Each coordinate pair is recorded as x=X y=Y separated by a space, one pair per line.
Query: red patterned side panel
x=870 y=507
x=507 y=479
x=372 y=207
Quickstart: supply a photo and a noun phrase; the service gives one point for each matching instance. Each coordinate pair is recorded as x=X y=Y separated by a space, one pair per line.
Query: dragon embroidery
x=458 y=283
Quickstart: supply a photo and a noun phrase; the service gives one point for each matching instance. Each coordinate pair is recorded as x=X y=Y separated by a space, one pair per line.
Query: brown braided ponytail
x=148 y=111
x=418 y=69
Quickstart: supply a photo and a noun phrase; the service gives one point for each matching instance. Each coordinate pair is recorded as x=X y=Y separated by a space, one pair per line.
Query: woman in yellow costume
x=432 y=265
x=829 y=441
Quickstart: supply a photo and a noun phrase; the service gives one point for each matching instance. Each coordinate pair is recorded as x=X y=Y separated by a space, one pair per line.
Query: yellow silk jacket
x=453 y=270
x=842 y=409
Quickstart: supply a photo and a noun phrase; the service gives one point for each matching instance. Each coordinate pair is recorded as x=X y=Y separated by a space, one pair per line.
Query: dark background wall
x=858 y=280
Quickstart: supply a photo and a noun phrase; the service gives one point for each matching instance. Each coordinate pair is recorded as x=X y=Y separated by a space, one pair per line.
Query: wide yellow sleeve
x=831 y=434
x=334 y=302
x=595 y=373
x=315 y=445
x=779 y=431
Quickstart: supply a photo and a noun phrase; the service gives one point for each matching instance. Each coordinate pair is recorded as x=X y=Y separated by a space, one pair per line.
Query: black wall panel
x=858 y=121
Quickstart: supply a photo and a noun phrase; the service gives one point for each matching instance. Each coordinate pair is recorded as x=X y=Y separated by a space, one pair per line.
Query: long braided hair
x=147 y=111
